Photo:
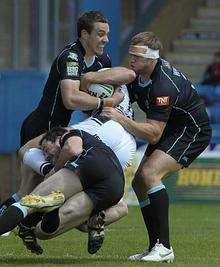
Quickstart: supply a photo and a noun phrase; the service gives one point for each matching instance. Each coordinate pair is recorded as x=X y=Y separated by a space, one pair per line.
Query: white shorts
x=113 y=135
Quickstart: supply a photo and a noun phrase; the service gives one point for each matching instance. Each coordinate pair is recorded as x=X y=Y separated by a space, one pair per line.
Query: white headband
x=144 y=51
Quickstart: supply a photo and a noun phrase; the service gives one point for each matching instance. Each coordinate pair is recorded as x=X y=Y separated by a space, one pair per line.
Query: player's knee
x=69 y=211
x=149 y=177
x=123 y=207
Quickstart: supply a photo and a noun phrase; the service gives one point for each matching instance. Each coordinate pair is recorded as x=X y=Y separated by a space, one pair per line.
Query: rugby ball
x=101 y=90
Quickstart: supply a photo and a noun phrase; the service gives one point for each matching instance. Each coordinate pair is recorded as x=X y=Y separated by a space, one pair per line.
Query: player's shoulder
x=105 y=60
x=71 y=52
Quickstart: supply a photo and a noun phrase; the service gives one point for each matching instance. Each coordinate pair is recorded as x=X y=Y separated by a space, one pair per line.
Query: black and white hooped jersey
x=69 y=64
x=169 y=97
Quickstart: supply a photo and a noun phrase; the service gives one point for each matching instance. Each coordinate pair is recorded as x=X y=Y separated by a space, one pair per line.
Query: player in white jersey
x=112 y=133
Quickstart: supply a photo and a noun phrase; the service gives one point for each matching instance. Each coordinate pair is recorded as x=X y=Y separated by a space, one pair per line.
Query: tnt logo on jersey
x=163 y=101
x=72 y=68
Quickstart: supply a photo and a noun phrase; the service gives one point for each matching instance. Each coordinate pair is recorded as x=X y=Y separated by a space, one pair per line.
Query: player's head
x=93 y=29
x=50 y=143
x=144 y=50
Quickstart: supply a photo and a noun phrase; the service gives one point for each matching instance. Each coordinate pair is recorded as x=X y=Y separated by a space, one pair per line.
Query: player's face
x=51 y=150
x=138 y=64
x=98 y=37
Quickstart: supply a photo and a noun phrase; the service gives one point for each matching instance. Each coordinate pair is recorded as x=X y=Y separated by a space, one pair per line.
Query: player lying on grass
x=84 y=182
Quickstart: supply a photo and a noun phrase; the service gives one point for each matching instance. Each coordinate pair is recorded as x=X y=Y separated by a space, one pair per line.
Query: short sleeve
x=162 y=98
x=69 y=66
x=69 y=134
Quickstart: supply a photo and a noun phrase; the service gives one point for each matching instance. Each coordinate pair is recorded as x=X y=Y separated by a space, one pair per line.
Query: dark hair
x=86 y=21
x=53 y=134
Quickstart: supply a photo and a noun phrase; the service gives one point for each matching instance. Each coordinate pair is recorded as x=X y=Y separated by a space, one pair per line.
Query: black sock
x=10 y=219
x=33 y=219
x=149 y=223
x=50 y=221
x=46 y=168
x=7 y=203
x=159 y=202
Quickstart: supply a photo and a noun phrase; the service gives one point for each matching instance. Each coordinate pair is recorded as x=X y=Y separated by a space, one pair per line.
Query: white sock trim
x=22 y=208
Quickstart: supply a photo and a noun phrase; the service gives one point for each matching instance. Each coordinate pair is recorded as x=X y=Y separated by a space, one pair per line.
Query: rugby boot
x=44 y=203
x=96 y=232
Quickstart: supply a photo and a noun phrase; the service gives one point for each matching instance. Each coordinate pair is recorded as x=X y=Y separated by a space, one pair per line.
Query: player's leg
x=124 y=148
x=104 y=189
x=29 y=179
x=72 y=213
x=64 y=180
x=147 y=184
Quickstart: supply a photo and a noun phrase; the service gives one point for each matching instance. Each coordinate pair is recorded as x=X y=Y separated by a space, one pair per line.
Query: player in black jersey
x=84 y=181
x=177 y=129
x=61 y=94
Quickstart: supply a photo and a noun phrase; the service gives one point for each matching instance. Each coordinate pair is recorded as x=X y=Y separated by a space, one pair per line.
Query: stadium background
x=33 y=31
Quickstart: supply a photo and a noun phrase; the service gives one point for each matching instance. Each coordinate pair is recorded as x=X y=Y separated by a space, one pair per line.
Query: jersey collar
x=157 y=67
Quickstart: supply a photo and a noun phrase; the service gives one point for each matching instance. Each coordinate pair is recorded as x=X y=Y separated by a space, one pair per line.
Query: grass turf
x=195 y=237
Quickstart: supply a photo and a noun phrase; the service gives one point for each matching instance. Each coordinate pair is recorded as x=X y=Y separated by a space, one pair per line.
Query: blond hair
x=147 y=38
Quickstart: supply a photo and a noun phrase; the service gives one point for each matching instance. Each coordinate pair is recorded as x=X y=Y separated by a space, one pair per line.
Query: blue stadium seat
x=210 y=93
x=214 y=113
x=20 y=92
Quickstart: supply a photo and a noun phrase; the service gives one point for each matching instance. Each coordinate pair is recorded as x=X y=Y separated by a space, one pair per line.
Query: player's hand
x=111 y=113
x=85 y=81
x=108 y=102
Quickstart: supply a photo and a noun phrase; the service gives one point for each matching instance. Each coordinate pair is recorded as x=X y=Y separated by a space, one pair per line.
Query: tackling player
x=177 y=129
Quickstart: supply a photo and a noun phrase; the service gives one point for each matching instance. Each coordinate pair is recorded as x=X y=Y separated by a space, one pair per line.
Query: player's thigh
x=64 y=180
x=156 y=166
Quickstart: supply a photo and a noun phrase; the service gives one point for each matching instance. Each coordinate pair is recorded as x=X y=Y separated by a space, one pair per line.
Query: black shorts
x=101 y=176
x=33 y=126
x=184 y=144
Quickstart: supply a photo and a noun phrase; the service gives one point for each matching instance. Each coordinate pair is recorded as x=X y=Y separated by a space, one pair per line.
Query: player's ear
x=84 y=34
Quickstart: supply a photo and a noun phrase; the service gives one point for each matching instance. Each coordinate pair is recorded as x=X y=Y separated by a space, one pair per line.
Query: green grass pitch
x=195 y=237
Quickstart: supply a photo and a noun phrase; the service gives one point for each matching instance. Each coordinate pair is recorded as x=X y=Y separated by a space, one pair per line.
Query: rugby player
x=84 y=179
x=177 y=129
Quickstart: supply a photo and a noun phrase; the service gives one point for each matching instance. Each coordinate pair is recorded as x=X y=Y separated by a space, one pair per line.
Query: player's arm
x=114 y=76
x=73 y=98
x=71 y=148
x=151 y=130
x=69 y=68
